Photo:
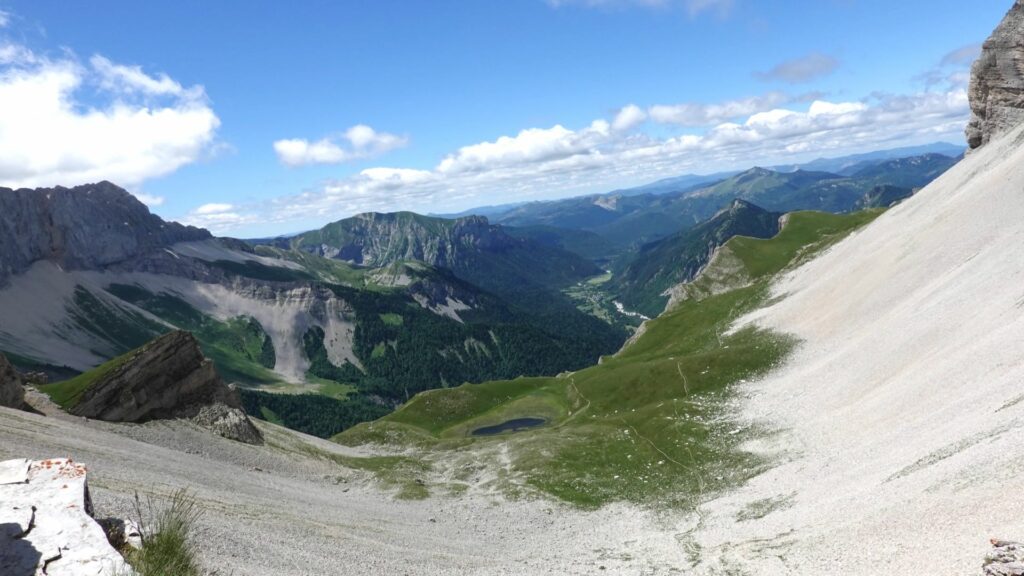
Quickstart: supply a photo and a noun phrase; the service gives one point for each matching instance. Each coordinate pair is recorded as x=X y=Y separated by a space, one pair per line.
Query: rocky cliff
x=12 y=390
x=377 y=239
x=167 y=378
x=997 y=81
x=84 y=227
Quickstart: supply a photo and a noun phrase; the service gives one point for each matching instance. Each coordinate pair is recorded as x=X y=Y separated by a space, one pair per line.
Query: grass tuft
x=166 y=539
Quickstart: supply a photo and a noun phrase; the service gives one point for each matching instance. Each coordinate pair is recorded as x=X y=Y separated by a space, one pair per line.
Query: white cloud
x=122 y=79
x=539 y=163
x=533 y=145
x=628 y=118
x=149 y=200
x=363 y=142
x=5 y=18
x=213 y=208
x=800 y=70
x=693 y=114
x=64 y=123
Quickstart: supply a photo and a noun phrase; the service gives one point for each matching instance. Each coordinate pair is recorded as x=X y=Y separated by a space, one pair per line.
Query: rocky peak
x=167 y=378
x=84 y=227
x=997 y=81
x=12 y=389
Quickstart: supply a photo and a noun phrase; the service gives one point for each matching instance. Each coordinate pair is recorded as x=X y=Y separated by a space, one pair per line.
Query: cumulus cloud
x=800 y=70
x=695 y=114
x=628 y=117
x=63 y=122
x=357 y=143
x=213 y=208
x=558 y=161
x=149 y=200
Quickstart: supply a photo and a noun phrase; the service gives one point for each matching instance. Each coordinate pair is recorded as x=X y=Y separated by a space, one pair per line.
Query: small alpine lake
x=514 y=425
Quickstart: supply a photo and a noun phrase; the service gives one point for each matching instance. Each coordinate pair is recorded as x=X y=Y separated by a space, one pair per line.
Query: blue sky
x=259 y=118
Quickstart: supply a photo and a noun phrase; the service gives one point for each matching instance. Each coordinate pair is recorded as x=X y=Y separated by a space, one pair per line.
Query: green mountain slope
x=658 y=266
x=525 y=270
x=645 y=425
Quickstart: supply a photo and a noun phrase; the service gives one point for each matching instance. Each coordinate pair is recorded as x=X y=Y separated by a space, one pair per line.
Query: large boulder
x=997 y=81
x=167 y=378
x=12 y=389
x=46 y=523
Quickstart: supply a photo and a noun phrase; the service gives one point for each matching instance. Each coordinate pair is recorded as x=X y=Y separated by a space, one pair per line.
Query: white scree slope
x=902 y=415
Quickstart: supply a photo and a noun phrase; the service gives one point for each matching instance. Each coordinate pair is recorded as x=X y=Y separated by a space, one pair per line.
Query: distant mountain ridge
x=625 y=220
x=841 y=165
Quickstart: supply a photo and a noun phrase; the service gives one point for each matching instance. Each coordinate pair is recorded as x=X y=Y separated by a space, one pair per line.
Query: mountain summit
x=84 y=227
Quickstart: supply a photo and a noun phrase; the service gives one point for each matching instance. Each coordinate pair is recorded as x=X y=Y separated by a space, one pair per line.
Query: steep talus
x=997 y=81
x=83 y=227
x=899 y=421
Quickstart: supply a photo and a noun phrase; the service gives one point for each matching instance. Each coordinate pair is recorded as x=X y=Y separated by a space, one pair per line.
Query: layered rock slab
x=167 y=378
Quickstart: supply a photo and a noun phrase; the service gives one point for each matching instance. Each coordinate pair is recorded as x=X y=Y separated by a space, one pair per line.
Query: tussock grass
x=167 y=549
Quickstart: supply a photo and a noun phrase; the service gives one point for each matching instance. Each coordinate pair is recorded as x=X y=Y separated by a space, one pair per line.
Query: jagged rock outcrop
x=46 y=523
x=1005 y=559
x=84 y=227
x=12 y=389
x=997 y=81
x=167 y=378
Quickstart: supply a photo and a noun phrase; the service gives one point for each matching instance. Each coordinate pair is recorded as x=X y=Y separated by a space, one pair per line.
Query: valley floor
x=288 y=509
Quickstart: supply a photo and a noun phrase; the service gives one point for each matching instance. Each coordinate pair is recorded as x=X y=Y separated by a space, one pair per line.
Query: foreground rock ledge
x=46 y=523
x=165 y=379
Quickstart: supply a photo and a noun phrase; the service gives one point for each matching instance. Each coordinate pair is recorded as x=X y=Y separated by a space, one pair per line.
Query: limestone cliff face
x=375 y=239
x=84 y=227
x=997 y=81
x=167 y=378
x=12 y=390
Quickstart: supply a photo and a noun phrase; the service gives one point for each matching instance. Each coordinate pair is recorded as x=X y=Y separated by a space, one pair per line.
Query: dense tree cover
x=313 y=414
x=426 y=350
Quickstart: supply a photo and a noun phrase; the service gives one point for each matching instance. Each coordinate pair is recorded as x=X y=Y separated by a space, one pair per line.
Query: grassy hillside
x=648 y=424
x=658 y=266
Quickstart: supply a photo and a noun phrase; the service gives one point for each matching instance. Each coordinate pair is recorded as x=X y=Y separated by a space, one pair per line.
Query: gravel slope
x=901 y=418
x=278 y=511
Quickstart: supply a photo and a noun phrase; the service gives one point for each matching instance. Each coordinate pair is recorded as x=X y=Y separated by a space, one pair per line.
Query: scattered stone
x=12 y=389
x=997 y=81
x=1005 y=559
